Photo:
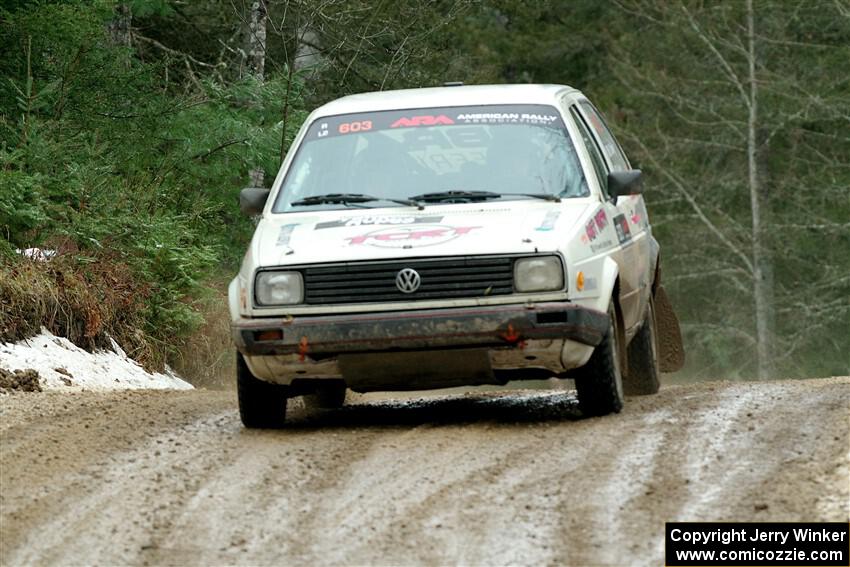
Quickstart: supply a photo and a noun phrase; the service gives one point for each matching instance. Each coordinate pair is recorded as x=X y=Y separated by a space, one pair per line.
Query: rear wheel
x=599 y=383
x=261 y=404
x=642 y=378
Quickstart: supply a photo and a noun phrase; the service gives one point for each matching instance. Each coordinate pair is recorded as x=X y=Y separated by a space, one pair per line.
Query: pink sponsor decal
x=397 y=237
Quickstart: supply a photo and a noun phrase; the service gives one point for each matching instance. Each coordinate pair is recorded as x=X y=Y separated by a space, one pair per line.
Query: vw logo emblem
x=407 y=280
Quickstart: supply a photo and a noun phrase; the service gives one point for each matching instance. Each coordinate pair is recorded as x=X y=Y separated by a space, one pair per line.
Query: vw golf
x=450 y=236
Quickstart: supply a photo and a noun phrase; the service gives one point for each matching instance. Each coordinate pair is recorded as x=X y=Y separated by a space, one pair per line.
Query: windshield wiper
x=456 y=195
x=544 y=196
x=346 y=198
x=480 y=195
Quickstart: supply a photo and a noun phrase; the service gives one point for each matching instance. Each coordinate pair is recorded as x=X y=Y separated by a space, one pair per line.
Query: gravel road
x=479 y=479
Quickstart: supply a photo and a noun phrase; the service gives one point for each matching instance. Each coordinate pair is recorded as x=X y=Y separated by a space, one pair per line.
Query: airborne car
x=450 y=236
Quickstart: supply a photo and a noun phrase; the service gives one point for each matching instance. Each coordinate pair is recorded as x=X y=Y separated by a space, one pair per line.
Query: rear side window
x=616 y=159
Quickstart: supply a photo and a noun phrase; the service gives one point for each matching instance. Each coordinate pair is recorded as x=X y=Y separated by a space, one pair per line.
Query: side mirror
x=253 y=199
x=629 y=182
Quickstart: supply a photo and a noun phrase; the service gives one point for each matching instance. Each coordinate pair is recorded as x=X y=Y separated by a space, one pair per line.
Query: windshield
x=444 y=154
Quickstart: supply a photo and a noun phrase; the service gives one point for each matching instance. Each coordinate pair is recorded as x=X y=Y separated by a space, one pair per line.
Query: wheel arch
x=655 y=255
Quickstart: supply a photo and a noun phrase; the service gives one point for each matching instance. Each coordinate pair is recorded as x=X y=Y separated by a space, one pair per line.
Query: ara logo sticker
x=413 y=236
x=422 y=121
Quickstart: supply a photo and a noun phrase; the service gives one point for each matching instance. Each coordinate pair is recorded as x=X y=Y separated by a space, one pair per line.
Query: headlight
x=278 y=288
x=538 y=274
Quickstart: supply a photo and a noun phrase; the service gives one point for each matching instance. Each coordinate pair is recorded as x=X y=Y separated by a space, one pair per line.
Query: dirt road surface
x=479 y=479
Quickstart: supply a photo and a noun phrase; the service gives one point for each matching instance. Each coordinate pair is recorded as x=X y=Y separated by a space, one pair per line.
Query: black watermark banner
x=762 y=544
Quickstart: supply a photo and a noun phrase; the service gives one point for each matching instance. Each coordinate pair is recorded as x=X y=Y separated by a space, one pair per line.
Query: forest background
x=128 y=128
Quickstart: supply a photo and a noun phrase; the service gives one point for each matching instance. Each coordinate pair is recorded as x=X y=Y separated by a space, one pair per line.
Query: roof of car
x=472 y=95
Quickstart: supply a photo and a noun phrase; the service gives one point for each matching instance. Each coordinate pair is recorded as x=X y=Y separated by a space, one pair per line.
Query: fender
x=610 y=289
x=574 y=355
x=610 y=273
x=654 y=257
x=233 y=291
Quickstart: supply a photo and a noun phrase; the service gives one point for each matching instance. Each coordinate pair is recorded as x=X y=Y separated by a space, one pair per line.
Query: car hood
x=400 y=232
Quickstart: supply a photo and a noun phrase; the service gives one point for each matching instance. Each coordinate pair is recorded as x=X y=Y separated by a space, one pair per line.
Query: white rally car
x=450 y=236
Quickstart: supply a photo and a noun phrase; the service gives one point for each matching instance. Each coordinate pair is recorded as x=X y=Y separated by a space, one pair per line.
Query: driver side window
x=616 y=159
x=598 y=163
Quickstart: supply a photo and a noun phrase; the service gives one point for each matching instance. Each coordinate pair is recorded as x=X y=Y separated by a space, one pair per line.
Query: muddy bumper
x=490 y=326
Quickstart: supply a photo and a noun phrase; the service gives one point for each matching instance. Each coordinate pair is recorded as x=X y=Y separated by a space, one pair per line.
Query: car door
x=628 y=214
x=607 y=211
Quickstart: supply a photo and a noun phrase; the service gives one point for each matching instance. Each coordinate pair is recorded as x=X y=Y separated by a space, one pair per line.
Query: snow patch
x=62 y=365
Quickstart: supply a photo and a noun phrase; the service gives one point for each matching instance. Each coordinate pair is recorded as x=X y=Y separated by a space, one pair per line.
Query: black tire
x=599 y=383
x=261 y=404
x=642 y=378
x=326 y=397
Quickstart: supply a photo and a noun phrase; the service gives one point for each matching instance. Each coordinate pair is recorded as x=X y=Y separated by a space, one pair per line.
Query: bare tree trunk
x=120 y=31
x=256 y=40
x=255 y=50
x=289 y=72
x=306 y=52
x=761 y=269
x=119 y=26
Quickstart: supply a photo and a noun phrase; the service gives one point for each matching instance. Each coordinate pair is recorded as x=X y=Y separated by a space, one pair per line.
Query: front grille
x=440 y=278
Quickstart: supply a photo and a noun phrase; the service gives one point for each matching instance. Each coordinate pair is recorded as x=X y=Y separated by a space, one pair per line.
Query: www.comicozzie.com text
x=726 y=536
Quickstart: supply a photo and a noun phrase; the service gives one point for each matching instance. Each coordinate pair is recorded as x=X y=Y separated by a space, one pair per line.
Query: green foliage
x=546 y=41
x=147 y=8
x=101 y=159
x=22 y=208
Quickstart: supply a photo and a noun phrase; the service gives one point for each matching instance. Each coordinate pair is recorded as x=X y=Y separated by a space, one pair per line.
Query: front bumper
x=483 y=326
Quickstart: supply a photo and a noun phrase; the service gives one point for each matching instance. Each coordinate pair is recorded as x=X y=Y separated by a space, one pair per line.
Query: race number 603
x=359 y=126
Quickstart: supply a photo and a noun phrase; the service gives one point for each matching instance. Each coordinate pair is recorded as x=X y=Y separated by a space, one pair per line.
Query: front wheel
x=599 y=383
x=261 y=404
x=642 y=378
